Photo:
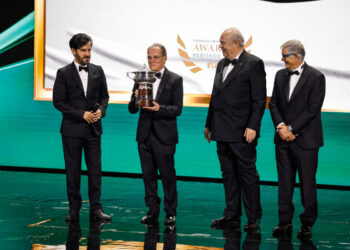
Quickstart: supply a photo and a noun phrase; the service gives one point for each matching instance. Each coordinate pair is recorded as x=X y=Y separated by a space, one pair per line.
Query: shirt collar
x=77 y=66
x=300 y=68
x=162 y=71
x=238 y=55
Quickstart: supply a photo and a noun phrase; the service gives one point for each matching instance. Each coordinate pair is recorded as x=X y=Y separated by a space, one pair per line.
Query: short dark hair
x=159 y=46
x=79 y=40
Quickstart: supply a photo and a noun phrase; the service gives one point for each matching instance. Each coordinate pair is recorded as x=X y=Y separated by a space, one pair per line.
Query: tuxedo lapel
x=218 y=77
x=301 y=81
x=162 y=84
x=241 y=62
x=285 y=85
x=90 y=81
x=76 y=77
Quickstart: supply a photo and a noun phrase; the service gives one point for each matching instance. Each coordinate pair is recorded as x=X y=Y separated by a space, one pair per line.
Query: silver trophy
x=145 y=79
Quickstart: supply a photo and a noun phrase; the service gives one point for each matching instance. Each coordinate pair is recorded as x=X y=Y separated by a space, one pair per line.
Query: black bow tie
x=83 y=68
x=293 y=73
x=158 y=75
x=233 y=62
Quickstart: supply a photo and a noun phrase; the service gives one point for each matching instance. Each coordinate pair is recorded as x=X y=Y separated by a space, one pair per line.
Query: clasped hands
x=285 y=134
x=155 y=105
x=91 y=117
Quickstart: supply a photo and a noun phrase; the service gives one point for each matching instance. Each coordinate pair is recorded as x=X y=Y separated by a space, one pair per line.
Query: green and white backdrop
x=29 y=129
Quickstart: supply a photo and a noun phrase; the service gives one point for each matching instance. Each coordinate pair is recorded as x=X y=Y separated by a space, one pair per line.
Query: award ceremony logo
x=202 y=54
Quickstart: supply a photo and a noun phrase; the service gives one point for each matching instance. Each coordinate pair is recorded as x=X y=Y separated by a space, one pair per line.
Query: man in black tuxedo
x=80 y=93
x=295 y=107
x=235 y=111
x=157 y=136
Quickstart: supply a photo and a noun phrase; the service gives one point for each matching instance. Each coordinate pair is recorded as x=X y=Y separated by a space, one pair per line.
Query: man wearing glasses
x=295 y=107
x=157 y=136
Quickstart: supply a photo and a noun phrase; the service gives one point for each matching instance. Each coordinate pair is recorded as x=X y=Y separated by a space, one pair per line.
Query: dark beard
x=80 y=60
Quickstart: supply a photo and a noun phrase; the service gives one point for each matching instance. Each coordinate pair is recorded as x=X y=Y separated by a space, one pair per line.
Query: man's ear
x=73 y=51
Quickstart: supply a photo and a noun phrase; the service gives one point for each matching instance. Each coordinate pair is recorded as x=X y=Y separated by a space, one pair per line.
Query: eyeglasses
x=286 y=55
x=156 y=58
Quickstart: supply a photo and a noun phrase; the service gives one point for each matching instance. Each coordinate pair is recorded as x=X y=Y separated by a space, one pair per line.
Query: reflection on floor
x=33 y=207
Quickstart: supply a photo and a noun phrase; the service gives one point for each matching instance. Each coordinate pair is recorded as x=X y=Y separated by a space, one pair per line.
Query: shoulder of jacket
x=173 y=75
x=253 y=58
x=314 y=71
x=94 y=66
x=281 y=71
x=66 y=68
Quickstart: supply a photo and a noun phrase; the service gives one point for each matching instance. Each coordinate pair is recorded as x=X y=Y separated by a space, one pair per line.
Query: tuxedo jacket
x=163 y=122
x=238 y=102
x=69 y=98
x=303 y=111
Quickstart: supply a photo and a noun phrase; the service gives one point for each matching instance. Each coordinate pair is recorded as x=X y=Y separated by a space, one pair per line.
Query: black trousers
x=154 y=156
x=241 y=179
x=73 y=149
x=290 y=159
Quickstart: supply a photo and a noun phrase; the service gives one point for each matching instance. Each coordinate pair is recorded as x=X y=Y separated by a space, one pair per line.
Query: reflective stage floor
x=33 y=207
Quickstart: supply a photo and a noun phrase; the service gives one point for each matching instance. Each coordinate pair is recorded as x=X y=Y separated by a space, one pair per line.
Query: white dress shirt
x=294 y=79
x=229 y=68
x=83 y=76
x=292 y=83
x=156 y=84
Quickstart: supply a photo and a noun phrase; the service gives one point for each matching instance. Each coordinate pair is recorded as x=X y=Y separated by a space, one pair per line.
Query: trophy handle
x=128 y=75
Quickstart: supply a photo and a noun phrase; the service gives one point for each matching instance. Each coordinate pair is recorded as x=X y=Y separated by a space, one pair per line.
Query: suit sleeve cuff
x=279 y=126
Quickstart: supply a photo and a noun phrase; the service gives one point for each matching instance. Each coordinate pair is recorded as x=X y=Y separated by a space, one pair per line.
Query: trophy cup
x=145 y=79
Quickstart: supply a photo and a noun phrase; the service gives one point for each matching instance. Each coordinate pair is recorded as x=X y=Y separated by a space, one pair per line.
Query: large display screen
x=190 y=30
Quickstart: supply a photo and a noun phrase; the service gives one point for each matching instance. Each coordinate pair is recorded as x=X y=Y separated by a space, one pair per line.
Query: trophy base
x=145 y=103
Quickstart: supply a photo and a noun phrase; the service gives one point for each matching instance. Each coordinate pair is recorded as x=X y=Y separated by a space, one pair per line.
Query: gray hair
x=158 y=45
x=235 y=35
x=294 y=47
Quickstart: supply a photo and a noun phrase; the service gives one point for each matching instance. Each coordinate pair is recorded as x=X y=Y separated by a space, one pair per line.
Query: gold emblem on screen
x=207 y=51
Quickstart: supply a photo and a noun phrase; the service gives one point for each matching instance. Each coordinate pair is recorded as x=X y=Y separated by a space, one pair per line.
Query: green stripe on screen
x=16 y=64
x=17 y=31
x=16 y=43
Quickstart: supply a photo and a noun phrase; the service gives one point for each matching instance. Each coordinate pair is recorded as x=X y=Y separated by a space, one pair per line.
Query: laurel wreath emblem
x=190 y=63
x=187 y=59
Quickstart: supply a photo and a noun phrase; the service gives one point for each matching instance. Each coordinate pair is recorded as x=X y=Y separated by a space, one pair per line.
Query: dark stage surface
x=33 y=207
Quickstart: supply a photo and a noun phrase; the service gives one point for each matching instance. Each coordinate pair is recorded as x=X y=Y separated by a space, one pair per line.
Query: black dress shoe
x=72 y=216
x=252 y=226
x=305 y=233
x=100 y=215
x=226 y=222
x=283 y=231
x=149 y=218
x=170 y=220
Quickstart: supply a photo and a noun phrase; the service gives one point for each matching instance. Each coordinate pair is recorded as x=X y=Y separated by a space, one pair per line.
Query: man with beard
x=80 y=93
